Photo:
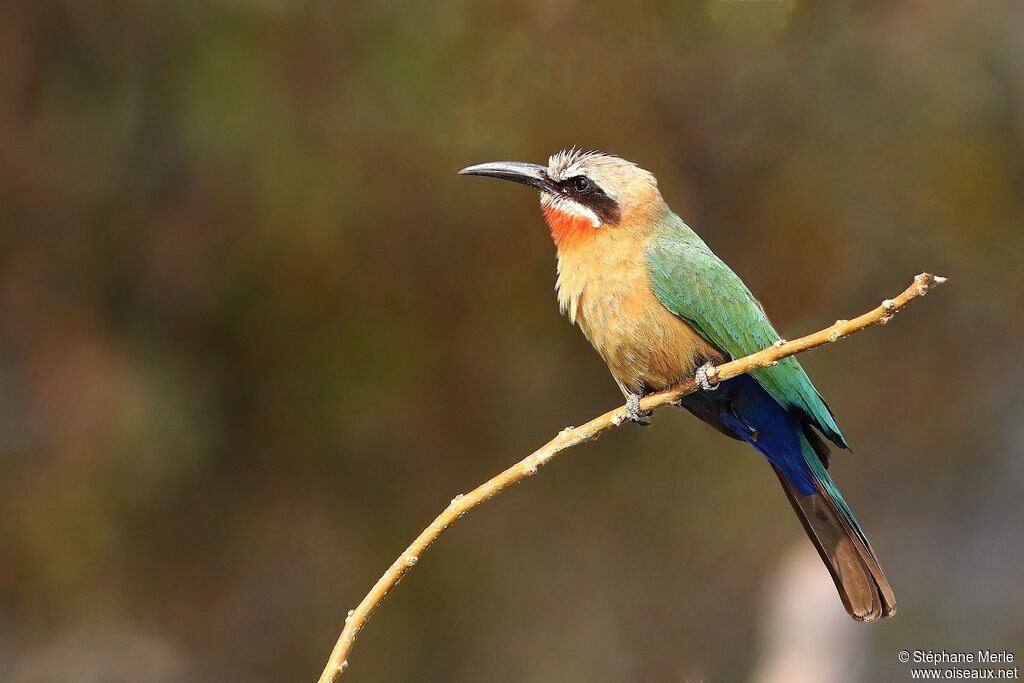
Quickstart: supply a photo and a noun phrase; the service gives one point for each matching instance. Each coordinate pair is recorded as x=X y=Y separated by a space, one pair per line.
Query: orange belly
x=645 y=346
x=608 y=293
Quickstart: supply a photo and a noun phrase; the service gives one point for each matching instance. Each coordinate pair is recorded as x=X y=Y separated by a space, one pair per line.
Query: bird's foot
x=707 y=377
x=633 y=412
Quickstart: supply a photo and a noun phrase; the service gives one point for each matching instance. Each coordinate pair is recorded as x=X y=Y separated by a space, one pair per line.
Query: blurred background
x=255 y=333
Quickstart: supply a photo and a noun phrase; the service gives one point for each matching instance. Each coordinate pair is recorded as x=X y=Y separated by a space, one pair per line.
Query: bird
x=660 y=307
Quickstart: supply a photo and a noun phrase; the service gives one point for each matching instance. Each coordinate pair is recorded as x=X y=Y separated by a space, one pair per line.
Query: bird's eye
x=581 y=183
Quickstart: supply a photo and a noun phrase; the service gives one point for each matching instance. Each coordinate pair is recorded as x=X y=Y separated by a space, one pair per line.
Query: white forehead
x=572 y=162
x=609 y=172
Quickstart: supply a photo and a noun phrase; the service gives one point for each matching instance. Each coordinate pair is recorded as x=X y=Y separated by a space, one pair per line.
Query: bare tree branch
x=572 y=436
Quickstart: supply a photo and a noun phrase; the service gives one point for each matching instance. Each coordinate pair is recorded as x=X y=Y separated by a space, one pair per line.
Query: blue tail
x=743 y=409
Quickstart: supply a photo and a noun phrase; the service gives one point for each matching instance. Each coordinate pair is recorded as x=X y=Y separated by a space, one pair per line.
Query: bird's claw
x=702 y=379
x=634 y=414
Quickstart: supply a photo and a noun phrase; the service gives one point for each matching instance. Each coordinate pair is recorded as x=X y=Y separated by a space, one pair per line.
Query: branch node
x=779 y=342
x=926 y=281
x=411 y=560
x=889 y=305
x=456 y=499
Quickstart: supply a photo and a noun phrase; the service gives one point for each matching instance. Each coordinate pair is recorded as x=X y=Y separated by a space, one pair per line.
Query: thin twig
x=572 y=436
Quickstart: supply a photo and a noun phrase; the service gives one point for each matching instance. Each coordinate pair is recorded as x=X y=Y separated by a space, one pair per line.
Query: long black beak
x=533 y=175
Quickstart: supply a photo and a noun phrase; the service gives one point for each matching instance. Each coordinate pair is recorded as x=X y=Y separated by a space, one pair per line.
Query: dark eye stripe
x=588 y=193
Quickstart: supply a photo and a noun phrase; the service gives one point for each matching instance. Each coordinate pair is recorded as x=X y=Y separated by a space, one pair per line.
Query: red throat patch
x=567 y=229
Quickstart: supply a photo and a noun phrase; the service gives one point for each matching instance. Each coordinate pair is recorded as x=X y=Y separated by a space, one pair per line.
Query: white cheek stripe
x=570 y=207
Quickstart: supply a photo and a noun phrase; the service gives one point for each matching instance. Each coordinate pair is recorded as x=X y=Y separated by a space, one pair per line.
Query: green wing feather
x=698 y=287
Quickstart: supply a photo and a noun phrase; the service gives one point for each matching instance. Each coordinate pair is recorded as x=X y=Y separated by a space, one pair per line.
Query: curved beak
x=521 y=172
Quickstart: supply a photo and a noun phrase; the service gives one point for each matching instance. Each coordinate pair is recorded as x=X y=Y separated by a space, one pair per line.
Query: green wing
x=698 y=287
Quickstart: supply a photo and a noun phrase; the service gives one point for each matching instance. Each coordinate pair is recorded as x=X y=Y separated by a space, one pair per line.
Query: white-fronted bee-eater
x=660 y=307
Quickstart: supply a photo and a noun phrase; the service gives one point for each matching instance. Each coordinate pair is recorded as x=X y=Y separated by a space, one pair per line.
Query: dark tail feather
x=862 y=586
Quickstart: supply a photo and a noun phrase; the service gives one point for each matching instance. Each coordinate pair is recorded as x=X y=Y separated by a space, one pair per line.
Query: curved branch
x=573 y=436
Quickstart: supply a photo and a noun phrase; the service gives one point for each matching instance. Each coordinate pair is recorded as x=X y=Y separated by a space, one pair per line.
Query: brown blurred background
x=255 y=333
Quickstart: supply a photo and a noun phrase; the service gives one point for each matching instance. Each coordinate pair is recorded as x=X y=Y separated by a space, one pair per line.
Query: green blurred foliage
x=255 y=331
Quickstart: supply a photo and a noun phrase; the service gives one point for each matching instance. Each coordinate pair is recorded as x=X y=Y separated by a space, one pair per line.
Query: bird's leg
x=702 y=377
x=633 y=412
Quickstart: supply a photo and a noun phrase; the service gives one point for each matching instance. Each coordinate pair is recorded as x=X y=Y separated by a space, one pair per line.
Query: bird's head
x=583 y=193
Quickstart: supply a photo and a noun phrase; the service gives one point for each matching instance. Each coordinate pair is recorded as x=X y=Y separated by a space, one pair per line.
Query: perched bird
x=660 y=307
